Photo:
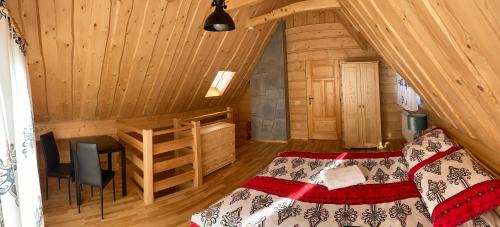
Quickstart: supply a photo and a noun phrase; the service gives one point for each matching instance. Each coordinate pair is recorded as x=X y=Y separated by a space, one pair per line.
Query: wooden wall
x=389 y=108
x=243 y=122
x=109 y=59
x=322 y=35
x=72 y=129
x=448 y=51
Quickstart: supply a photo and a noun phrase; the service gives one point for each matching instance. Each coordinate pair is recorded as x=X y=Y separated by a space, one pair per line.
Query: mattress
x=289 y=192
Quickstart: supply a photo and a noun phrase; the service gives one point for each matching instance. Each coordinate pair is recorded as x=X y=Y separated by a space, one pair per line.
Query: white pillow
x=342 y=177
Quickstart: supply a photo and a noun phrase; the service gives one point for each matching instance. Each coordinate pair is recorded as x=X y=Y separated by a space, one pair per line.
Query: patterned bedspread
x=288 y=192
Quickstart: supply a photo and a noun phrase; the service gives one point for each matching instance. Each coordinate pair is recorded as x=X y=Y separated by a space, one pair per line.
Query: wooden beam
x=130 y=140
x=147 y=169
x=234 y=4
x=197 y=164
x=136 y=160
x=173 y=163
x=173 y=181
x=308 y=5
x=172 y=145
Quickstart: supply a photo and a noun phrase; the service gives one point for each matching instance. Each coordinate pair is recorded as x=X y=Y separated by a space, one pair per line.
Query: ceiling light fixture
x=219 y=20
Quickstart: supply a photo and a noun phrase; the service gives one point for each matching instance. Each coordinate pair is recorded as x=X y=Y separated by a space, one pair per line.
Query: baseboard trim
x=270 y=141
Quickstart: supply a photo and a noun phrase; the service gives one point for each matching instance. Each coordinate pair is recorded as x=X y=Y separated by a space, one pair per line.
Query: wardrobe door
x=350 y=105
x=370 y=104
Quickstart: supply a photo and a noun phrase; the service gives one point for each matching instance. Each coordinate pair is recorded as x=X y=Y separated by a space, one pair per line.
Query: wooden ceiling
x=107 y=59
x=448 y=51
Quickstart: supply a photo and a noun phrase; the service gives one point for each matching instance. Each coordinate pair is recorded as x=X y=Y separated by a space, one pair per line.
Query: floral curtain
x=407 y=98
x=20 y=197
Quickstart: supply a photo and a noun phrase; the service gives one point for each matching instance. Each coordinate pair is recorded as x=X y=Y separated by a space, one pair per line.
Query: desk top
x=105 y=144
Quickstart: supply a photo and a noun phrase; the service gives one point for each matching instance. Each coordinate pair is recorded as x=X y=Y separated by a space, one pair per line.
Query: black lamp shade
x=219 y=21
x=417 y=122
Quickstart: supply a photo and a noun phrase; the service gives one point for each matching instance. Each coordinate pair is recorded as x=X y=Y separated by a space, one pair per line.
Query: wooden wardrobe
x=361 y=104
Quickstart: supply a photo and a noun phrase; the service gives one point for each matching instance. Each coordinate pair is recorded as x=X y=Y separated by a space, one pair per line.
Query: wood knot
x=480 y=88
x=458 y=82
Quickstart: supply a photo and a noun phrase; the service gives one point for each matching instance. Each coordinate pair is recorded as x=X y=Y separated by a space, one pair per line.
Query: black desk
x=105 y=145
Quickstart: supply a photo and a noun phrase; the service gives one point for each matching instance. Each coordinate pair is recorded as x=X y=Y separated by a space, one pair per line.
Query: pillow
x=342 y=177
x=427 y=145
x=454 y=187
x=488 y=219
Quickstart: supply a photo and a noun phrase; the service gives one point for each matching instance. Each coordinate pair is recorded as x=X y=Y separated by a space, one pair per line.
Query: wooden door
x=352 y=112
x=370 y=104
x=323 y=93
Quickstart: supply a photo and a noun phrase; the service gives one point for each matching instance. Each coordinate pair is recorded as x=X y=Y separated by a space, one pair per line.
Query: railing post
x=197 y=164
x=147 y=171
x=176 y=124
x=230 y=114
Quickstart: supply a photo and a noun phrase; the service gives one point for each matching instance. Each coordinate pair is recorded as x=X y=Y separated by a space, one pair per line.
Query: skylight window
x=220 y=83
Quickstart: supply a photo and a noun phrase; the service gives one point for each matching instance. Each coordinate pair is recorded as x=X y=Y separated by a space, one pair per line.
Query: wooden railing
x=211 y=118
x=151 y=155
x=167 y=151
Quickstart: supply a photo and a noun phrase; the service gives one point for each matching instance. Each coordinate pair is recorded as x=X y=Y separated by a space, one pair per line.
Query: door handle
x=310 y=100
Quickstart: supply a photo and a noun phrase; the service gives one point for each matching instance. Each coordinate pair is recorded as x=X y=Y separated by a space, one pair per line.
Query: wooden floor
x=173 y=210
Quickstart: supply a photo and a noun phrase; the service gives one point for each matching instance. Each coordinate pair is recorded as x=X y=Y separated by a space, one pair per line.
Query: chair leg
x=59 y=182
x=78 y=195
x=69 y=190
x=102 y=205
x=114 y=197
x=91 y=191
x=46 y=187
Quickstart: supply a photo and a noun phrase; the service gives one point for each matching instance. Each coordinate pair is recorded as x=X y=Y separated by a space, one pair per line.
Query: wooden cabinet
x=361 y=104
x=218 y=146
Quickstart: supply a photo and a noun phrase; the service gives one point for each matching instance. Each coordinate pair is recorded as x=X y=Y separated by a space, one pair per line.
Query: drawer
x=211 y=146
x=218 y=146
x=217 y=135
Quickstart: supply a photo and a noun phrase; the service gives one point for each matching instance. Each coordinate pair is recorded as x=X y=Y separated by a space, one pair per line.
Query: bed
x=289 y=192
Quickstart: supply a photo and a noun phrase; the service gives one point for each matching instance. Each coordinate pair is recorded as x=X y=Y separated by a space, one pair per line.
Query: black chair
x=53 y=167
x=88 y=171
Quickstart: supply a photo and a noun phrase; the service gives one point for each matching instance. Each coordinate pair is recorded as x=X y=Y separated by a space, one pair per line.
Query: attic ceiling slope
x=96 y=59
x=448 y=51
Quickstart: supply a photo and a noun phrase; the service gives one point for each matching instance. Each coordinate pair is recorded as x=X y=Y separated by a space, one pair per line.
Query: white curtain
x=20 y=198
x=407 y=98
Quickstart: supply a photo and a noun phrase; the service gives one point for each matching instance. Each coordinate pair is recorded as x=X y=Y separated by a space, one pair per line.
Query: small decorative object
x=417 y=122
x=219 y=20
x=383 y=146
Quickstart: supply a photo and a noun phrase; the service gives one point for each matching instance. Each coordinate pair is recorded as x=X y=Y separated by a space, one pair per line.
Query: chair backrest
x=87 y=164
x=50 y=151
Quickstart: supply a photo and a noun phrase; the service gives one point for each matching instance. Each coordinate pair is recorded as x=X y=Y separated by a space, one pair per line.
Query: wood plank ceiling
x=448 y=51
x=108 y=59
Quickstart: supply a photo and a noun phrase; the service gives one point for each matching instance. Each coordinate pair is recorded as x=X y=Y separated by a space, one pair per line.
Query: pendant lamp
x=219 y=20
